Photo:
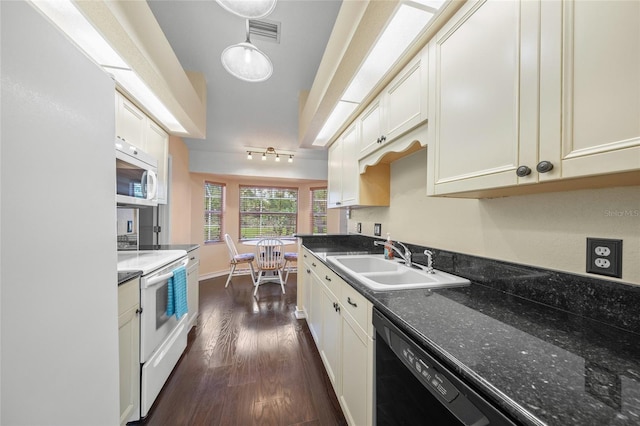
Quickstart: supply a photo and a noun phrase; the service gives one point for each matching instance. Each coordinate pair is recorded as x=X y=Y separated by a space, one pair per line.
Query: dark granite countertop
x=123 y=277
x=540 y=364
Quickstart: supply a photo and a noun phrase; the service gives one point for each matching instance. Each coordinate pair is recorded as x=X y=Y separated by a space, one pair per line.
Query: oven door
x=155 y=324
x=413 y=387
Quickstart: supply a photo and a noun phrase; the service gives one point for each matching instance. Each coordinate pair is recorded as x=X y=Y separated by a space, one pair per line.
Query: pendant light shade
x=247 y=62
x=250 y=9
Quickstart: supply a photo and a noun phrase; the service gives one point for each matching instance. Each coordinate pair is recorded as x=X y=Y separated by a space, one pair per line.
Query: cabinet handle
x=351 y=303
x=544 y=166
x=378 y=140
x=193 y=258
x=138 y=311
x=326 y=277
x=313 y=264
x=338 y=308
x=304 y=255
x=383 y=138
x=308 y=271
x=335 y=306
x=523 y=171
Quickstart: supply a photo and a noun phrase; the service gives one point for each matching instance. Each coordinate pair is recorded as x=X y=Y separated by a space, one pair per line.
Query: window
x=268 y=212
x=319 y=210
x=213 y=202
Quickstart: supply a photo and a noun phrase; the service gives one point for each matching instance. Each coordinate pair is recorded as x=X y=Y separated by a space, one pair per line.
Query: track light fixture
x=270 y=151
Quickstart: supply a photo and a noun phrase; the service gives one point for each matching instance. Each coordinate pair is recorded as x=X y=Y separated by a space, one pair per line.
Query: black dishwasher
x=413 y=388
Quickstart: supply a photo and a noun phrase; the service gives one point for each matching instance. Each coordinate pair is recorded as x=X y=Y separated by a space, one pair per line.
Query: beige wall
x=546 y=230
x=180 y=192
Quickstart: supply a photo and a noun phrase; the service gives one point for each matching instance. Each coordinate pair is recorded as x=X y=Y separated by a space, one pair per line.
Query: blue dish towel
x=177 y=293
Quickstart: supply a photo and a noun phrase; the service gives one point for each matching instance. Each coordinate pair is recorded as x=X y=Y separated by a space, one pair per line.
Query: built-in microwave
x=136 y=176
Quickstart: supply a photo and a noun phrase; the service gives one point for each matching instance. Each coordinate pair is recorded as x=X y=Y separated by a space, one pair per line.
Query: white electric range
x=163 y=338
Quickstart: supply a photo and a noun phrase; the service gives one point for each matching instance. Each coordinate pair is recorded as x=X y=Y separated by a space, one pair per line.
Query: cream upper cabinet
x=371 y=128
x=535 y=93
x=400 y=107
x=593 y=83
x=130 y=122
x=485 y=96
x=347 y=187
x=136 y=128
x=343 y=170
x=157 y=144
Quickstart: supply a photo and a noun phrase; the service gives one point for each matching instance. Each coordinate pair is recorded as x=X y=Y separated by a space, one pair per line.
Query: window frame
x=312 y=213
x=220 y=214
x=271 y=187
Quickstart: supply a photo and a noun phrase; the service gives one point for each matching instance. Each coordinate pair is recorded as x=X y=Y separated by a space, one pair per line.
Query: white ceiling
x=242 y=114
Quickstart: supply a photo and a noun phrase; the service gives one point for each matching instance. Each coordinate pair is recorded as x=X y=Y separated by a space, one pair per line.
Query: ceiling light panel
x=337 y=117
x=404 y=27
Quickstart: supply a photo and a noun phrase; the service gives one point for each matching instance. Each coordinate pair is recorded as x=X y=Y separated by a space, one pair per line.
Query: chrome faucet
x=406 y=256
x=429 y=269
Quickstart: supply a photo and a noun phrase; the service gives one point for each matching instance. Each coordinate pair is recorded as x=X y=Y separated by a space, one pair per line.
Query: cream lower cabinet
x=193 y=286
x=340 y=322
x=548 y=97
x=129 y=348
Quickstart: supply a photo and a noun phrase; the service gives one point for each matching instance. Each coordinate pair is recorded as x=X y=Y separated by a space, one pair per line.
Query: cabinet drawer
x=194 y=257
x=356 y=305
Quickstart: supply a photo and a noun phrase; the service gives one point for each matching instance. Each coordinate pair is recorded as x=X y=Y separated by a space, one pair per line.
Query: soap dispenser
x=388 y=248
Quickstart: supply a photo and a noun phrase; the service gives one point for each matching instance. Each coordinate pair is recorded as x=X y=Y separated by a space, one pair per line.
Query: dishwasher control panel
x=427 y=373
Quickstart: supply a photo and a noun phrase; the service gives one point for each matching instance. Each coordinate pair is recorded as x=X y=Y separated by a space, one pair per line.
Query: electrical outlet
x=359 y=228
x=604 y=257
x=377 y=229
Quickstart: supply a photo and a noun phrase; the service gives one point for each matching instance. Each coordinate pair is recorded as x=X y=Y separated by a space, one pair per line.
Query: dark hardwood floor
x=249 y=362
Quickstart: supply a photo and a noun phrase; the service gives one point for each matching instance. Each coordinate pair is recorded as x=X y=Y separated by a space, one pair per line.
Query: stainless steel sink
x=380 y=274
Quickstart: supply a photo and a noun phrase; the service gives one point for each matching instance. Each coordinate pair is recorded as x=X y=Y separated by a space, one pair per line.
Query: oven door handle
x=157 y=280
x=161 y=278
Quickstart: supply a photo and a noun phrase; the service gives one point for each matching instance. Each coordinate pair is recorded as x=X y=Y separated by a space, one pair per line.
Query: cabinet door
x=331 y=339
x=350 y=173
x=334 y=175
x=600 y=87
x=357 y=374
x=406 y=98
x=316 y=311
x=157 y=144
x=129 y=348
x=486 y=96
x=371 y=128
x=193 y=292
x=130 y=122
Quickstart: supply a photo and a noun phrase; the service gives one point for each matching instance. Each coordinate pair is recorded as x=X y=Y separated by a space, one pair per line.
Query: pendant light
x=246 y=62
x=250 y=9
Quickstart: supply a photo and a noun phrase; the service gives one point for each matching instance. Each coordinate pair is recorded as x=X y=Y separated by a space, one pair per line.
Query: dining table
x=286 y=241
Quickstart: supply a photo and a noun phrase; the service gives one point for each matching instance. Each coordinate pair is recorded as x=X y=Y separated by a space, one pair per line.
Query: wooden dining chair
x=270 y=259
x=236 y=260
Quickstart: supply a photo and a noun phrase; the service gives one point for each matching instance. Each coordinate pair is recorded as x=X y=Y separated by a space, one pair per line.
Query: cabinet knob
x=544 y=166
x=523 y=171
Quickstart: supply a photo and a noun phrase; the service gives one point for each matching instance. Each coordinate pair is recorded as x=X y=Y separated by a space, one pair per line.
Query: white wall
x=546 y=230
x=59 y=326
